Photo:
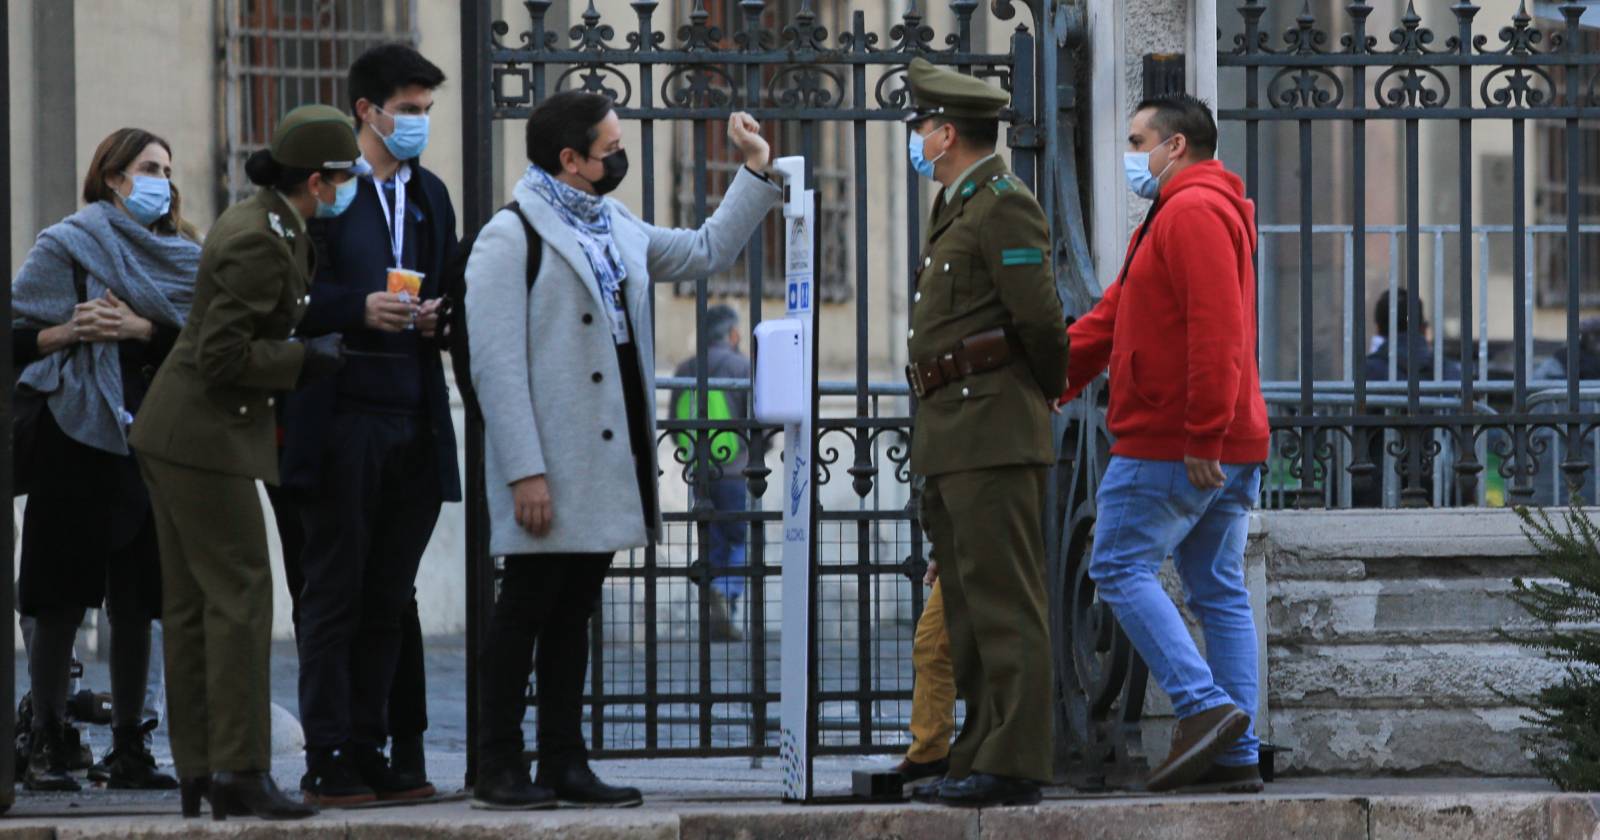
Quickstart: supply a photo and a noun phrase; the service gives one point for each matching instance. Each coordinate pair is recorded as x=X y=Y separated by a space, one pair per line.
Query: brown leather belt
x=986 y=351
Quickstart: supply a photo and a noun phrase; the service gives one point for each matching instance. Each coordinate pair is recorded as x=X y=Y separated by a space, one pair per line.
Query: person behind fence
x=727 y=458
x=98 y=304
x=1177 y=330
x=1396 y=317
x=564 y=373
x=370 y=455
x=989 y=353
x=208 y=434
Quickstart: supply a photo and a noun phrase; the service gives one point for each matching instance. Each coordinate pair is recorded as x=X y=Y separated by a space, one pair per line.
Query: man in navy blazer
x=369 y=456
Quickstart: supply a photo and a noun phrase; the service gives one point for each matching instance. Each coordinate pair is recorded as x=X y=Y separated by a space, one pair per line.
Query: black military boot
x=47 y=765
x=129 y=764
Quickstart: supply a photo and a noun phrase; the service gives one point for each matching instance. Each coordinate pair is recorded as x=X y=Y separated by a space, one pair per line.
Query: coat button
x=271 y=401
x=911 y=333
x=606 y=435
x=927 y=261
x=595 y=376
x=243 y=410
x=917 y=298
x=966 y=392
x=947 y=268
x=587 y=318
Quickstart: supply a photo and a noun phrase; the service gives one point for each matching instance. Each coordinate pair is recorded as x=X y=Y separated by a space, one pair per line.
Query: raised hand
x=745 y=133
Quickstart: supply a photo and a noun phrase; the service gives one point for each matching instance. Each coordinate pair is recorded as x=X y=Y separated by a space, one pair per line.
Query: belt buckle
x=914 y=379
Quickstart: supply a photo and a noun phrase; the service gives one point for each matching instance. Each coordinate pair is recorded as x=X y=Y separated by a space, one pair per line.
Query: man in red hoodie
x=1177 y=331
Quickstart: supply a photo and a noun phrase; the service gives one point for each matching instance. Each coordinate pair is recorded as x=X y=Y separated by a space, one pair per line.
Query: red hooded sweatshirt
x=1179 y=330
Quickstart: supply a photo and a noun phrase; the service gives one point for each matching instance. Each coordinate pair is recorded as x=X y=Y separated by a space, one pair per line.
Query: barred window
x=830 y=162
x=281 y=54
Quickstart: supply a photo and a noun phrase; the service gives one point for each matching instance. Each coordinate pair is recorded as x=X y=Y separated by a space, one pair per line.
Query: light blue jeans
x=1148 y=510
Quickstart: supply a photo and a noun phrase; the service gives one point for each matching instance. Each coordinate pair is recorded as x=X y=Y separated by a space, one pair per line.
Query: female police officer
x=205 y=436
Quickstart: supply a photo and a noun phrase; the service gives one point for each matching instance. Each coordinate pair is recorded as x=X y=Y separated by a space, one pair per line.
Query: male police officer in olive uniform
x=207 y=434
x=988 y=353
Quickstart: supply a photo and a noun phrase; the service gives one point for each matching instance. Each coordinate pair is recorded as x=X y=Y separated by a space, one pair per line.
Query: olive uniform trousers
x=216 y=583
x=987 y=532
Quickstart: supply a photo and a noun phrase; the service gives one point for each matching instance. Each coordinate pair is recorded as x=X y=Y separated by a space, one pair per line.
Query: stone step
x=1403 y=676
x=1451 y=742
x=1321 y=815
x=1319 y=611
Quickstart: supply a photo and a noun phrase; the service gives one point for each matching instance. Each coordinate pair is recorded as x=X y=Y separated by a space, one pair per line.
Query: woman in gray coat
x=565 y=374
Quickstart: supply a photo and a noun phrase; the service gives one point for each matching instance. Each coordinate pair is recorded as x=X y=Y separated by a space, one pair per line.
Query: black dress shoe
x=981 y=790
x=253 y=794
x=509 y=789
x=191 y=791
x=576 y=784
x=929 y=792
x=918 y=771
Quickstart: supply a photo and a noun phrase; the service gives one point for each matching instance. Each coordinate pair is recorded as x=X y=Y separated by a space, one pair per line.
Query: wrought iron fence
x=661 y=685
x=1309 y=85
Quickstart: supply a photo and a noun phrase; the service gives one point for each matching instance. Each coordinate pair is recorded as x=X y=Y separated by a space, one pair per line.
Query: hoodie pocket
x=1131 y=377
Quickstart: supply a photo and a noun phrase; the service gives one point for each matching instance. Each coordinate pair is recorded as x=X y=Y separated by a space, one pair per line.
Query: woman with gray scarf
x=98 y=304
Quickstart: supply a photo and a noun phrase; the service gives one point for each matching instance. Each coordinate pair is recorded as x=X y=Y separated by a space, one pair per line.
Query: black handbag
x=28 y=408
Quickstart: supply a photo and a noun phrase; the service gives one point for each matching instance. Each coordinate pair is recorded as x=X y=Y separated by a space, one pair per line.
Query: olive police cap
x=315 y=137
x=942 y=92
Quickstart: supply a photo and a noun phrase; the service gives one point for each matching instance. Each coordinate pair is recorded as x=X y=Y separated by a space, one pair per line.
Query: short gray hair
x=720 y=319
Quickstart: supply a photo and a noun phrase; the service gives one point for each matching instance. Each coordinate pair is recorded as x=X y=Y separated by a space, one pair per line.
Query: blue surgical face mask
x=1143 y=182
x=410 y=135
x=922 y=165
x=342 y=196
x=149 y=200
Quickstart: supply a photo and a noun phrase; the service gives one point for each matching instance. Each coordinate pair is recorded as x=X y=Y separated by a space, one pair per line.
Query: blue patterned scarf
x=589 y=218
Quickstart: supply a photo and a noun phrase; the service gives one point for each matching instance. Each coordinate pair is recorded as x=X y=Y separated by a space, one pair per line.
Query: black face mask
x=616 y=166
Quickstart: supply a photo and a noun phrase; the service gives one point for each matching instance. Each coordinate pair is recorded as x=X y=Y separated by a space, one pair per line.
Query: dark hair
x=113 y=157
x=1380 y=312
x=567 y=120
x=1180 y=113
x=719 y=320
x=386 y=68
x=264 y=171
x=975 y=133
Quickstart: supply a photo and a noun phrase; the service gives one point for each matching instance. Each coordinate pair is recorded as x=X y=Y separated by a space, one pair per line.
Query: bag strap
x=535 y=243
x=1144 y=228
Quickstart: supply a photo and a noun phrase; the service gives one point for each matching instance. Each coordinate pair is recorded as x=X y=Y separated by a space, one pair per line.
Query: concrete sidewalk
x=727 y=798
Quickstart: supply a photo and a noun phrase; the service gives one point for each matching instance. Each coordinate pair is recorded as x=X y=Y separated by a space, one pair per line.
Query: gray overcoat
x=535 y=356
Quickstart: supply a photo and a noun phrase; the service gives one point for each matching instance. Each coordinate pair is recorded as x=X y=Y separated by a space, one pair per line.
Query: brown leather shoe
x=1219 y=778
x=1196 y=741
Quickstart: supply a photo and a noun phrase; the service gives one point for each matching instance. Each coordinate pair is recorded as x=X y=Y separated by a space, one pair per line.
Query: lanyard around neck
x=396 y=222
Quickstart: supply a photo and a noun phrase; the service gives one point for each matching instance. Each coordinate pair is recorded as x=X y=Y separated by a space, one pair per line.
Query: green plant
x=1566 y=742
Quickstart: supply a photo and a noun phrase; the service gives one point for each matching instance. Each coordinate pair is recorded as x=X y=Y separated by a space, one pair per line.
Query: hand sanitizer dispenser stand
x=786 y=392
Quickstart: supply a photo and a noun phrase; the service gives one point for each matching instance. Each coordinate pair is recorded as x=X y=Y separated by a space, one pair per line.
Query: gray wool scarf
x=153 y=273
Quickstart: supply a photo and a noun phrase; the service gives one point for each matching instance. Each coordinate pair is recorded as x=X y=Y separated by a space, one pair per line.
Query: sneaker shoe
x=1196 y=742
x=332 y=780
x=1220 y=778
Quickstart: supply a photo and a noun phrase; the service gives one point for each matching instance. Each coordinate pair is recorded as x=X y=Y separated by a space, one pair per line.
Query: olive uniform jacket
x=211 y=405
x=986 y=264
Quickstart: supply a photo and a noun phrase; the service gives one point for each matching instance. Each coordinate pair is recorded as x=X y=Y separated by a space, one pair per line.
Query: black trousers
x=540 y=625
x=366 y=527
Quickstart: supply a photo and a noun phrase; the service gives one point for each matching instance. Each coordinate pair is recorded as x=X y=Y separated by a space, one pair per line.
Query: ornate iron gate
x=663 y=687
x=1478 y=425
